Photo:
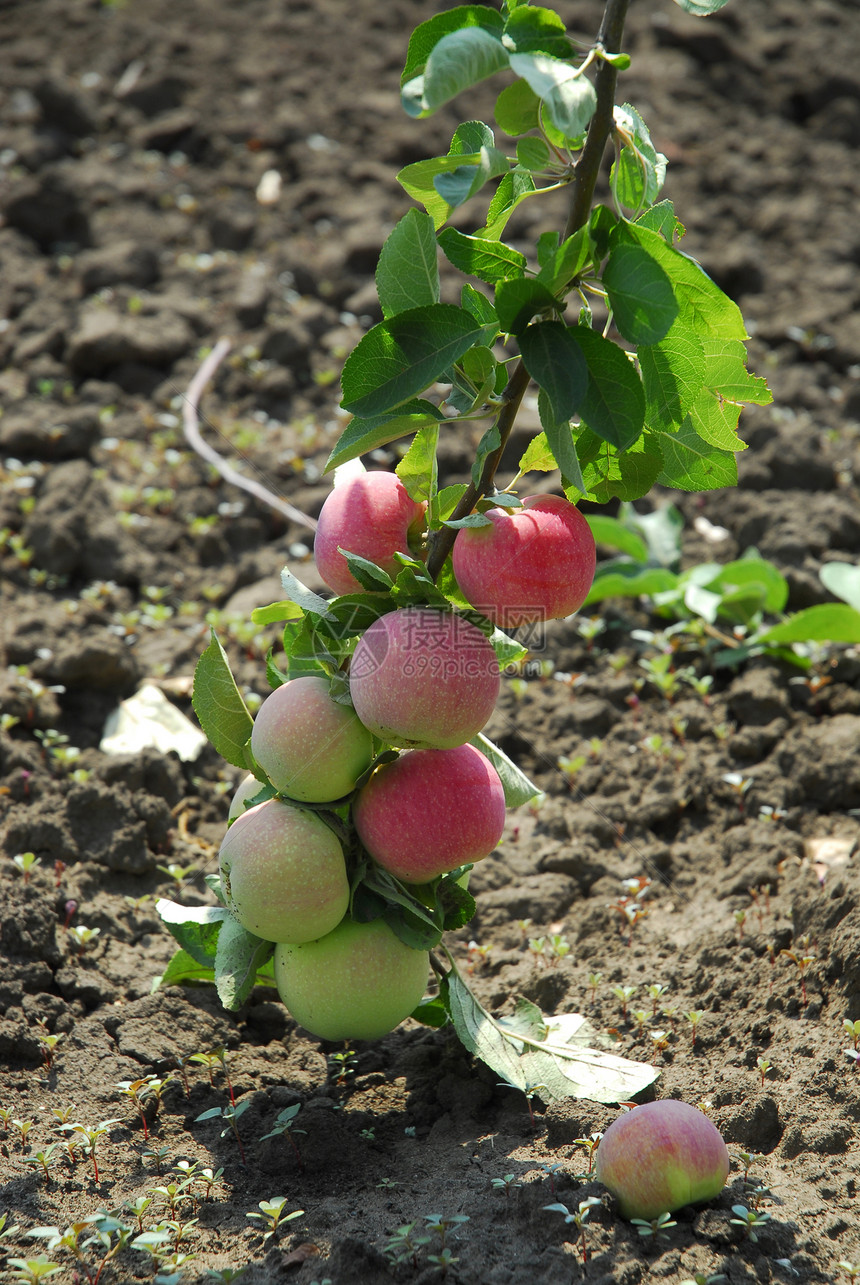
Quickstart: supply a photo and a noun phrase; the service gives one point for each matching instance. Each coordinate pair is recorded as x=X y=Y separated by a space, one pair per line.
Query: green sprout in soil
x=404 y=1244
x=231 y=1115
x=217 y=1057
x=24 y=862
x=578 y=1220
x=590 y=1145
x=88 y=1137
x=506 y=1184
x=751 y=1220
x=44 y=1158
x=146 y=1094
x=694 y=1017
x=654 y=1228
x=30 y=1271
x=762 y=1066
x=272 y=1214
x=802 y=961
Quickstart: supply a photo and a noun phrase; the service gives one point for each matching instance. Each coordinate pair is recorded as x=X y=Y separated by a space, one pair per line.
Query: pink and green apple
x=311 y=748
x=356 y=983
x=371 y=515
x=422 y=678
x=660 y=1157
x=430 y=811
x=283 y=873
x=530 y=564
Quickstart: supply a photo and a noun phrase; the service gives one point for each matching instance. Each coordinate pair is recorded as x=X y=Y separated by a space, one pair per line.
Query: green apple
x=356 y=983
x=283 y=873
x=311 y=747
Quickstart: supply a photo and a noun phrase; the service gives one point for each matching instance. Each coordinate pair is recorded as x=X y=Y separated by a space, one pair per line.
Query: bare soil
x=132 y=139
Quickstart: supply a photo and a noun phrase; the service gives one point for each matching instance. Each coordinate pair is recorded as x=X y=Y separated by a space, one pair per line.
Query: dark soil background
x=133 y=138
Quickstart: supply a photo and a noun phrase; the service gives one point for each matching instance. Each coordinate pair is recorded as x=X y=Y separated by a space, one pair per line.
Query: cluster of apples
x=422 y=681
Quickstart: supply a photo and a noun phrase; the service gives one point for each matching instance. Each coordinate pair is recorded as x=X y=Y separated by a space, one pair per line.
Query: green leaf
x=701 y=8
x=702 y=306
x=400 y=356
x=363 y=435
x=514 y=188
x=479 y=306
x=673 y=373
x=610 y=475
x=305 y=598
x=509 y=651
x=371 y=577
x=661 y=218
x=532 y=29
x=614 y=402
x=833 y=622
x=629 y=581
x=458 y=61
x=640 y=170
x=615 y=535
x=418 y=470
x=568 y=97
x=518 y=301
x=407 y=275
x=516 y=785
x=427 y=35
x=276 y=612
x=538 y=456
x=726 y=373
x=238 y=958
x=196 y=928
x=560 y=438
x=431 y=1012
x=692 y=464
x=488 y=260
x=640 y=292
x=517 y=109
x=565 y=261
x=219 y=706
x=532 y=154
x=558 y=1064
x=457 y=185
x=183 y=969
x=556 y=363
x=843 y=580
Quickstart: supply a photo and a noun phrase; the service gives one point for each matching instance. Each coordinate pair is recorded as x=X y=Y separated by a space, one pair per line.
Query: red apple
x=283 y=873
x=530 y=564
x=371 y=515
x=356 y=983
x=660 y=1157
x=424 y=678
x=311 y=747
x=430 y=811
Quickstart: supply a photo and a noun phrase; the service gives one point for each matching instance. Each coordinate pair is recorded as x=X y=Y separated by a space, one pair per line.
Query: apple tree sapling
x=372 y=788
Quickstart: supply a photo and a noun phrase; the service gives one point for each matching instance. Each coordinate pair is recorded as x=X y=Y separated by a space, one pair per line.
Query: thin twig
x=191 y=424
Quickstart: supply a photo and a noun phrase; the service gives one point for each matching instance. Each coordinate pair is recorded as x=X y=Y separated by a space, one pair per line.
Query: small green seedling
x=48 y=1047
x=851 y=1270
x=43 y=1158
x=802 y=962
x=208 y=1178
x=24 y=862
x=594 y=980
x=578 y=1219
x=751 y=1220
x=551 y=1170
x=654 y=1228
x=143 y=1093
x=342 y=1066
x=172 y=1193
x=694 y=1017
x=762 y=1066
x=29 y=1271
x=158 y=1155
x=624 y=994
x=89 y=1136
x=444 y=1259
x=272 y=1214
x=441 y=1225
x=217 y=1057
x=23 y=1127
x=852 y=1029
x=589 y=1144
x=231 y=1115
x=6 y=1233
x=655 y=994
x=506 y=1184
x=82 y=936
x=283 y=1127
x=404 y=1244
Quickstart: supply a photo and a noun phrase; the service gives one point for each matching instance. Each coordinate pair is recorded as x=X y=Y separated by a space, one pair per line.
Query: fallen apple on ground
x=356 y=983
x=662 y=1156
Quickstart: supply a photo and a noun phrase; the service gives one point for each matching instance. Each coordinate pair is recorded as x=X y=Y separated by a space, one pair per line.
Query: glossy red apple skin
x=430 y=811
x=312 y=748
x=421 y=678
x=371 y=515
x=661 y=1156
x=283 y=873
x=356 y=983
x=530 y=564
